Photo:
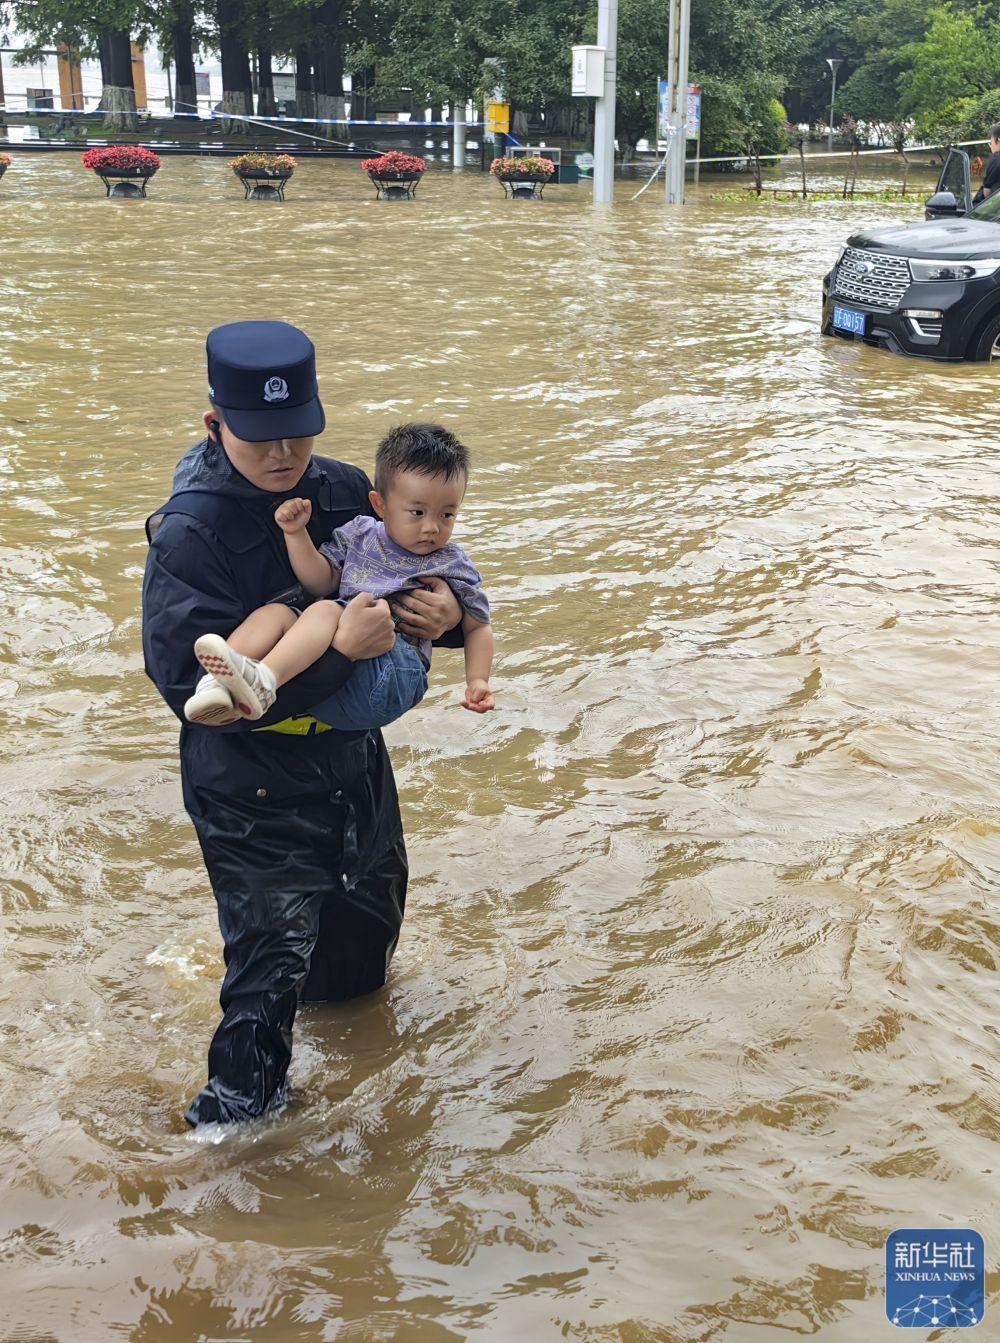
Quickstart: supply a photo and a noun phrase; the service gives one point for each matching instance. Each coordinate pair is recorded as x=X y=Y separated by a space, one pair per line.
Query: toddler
x=421 y=472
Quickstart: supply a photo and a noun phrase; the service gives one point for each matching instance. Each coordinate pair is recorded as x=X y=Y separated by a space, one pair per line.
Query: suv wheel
x=987 y=348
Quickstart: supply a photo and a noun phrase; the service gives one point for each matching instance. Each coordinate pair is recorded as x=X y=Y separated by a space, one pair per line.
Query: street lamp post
x=834 y=62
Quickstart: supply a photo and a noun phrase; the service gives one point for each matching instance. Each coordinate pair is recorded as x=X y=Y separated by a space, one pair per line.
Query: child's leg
x=252 y=682
x=262 y=630
x=304 y=642
x=212 y=703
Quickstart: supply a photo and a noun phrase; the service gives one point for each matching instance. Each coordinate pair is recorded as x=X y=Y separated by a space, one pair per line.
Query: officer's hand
x=366 y=629
x=292 y=515
x=427 y=612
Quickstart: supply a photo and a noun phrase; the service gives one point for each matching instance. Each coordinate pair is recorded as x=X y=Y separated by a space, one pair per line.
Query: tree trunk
x=802 y=163
x=305 y=93
x=235 y=59
x=185 y=86
x=328 y=62
x=906 y=169
x=266 y=104
x=105 y=59
x=118 y=94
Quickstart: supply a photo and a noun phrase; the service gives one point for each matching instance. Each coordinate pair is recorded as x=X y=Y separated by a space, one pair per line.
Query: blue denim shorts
x=380 y=690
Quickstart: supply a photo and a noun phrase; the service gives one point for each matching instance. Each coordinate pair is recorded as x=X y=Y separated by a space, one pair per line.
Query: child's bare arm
x=478 y=665
x=316 y=574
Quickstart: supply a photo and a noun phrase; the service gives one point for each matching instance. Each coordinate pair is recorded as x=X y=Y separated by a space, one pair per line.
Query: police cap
x=262 y=376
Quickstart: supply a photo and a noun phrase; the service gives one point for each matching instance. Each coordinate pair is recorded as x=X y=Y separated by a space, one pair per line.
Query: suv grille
x=872 y=277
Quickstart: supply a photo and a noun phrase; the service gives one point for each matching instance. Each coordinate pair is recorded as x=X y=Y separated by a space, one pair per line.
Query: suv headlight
x=840 y=255
x=953 y=270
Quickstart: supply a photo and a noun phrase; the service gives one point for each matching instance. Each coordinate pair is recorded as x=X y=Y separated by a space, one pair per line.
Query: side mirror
x=942 y=203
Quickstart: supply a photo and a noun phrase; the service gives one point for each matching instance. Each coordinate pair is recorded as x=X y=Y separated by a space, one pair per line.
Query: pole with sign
x=604 y=108
x=677 y=84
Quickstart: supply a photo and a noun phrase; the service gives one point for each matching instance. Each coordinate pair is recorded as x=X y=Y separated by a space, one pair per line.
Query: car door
x=953 y=195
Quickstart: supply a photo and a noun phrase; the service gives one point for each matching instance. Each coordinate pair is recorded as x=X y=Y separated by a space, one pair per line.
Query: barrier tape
x=836 y=153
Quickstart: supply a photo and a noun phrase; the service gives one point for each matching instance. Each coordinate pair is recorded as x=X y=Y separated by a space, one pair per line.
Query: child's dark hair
x=428 y=449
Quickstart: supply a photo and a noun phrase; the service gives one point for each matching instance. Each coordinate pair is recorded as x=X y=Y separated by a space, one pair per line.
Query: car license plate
x=846 y=319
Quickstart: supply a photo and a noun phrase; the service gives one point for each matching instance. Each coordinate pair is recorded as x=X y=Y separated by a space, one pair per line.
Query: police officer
x=991 y=175
x=299 y=825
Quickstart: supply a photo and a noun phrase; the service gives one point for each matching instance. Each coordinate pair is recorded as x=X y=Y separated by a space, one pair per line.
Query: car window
x=990 y=208
x=953 y=177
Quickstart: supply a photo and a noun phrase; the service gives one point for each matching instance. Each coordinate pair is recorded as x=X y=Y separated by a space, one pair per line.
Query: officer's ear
x=212 y=425
x=377 y=502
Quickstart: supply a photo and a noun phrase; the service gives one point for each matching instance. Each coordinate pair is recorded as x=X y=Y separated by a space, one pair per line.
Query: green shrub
x=977 y=116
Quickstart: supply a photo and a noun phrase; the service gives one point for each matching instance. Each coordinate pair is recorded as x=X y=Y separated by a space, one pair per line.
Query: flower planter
x=263 y=175
x=395 y=176
x=524 y=177
x=124 y=169
x=395 y=186
x=261 y=185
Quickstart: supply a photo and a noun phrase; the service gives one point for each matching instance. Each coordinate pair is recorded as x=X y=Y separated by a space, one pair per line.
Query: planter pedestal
x=395 y=186
x=259 y=186
x=124 y=182
x=527 y=188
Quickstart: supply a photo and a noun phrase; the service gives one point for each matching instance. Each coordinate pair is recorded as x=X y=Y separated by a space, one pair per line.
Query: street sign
x=693 y=112
x=692 y=119
x=497 y=118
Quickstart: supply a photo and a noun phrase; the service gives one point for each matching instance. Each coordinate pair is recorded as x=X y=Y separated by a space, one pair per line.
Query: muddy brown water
x=696 y=998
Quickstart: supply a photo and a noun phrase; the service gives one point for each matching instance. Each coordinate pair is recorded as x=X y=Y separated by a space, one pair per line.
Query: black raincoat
x=301 y=834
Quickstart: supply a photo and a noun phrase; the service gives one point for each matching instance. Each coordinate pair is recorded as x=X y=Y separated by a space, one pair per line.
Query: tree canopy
x=920 y=63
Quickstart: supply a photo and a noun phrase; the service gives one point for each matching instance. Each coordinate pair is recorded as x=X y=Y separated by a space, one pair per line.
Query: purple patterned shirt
x=370 y=561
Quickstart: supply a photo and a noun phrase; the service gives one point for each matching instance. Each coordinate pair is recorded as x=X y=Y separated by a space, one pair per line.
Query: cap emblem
x=276 y=389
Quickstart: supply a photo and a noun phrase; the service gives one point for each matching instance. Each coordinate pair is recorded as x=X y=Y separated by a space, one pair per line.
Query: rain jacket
x=301 y=834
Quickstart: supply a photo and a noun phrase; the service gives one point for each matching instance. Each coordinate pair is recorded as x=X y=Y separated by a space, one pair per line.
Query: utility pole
x=604 y=107
x=677 y=80
x=457 y=131
x=834 y=62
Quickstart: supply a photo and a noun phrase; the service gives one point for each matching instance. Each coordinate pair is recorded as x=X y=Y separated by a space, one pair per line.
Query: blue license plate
x=846 y=319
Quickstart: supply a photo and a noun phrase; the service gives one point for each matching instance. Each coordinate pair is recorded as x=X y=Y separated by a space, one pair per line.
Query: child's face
x=419 y=511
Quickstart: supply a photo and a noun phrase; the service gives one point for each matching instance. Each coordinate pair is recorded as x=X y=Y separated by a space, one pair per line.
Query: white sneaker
x=211 y=705
x=250 y=684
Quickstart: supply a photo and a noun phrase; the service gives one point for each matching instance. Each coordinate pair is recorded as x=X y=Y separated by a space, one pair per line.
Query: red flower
x=119 y=158
x=394 y=162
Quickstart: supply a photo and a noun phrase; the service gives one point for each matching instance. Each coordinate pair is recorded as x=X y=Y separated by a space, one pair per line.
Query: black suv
x=930 y=289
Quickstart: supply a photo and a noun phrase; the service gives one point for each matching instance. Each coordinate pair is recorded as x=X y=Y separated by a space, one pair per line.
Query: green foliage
x=974 y=117
x=870 y=93
x=959 y=56
x=642 y=62
x=941 y=125
x=78 y=22
x=742 y=118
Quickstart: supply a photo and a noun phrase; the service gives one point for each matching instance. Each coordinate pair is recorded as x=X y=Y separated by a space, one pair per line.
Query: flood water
x=696 y=996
